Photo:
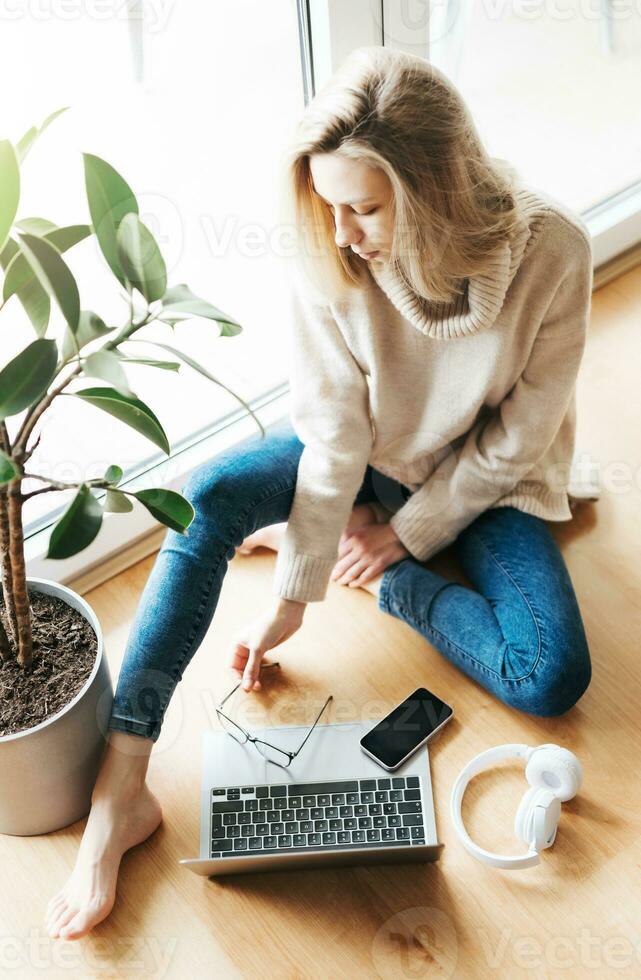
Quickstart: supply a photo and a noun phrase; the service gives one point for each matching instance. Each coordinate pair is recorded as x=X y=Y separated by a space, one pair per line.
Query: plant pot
x=47 y=773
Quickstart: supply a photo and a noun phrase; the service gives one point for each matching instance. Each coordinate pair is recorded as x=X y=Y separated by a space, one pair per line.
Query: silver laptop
x=332 y=806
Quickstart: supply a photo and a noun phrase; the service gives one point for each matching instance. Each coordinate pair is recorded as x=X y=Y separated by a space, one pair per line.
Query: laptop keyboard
x=350 y=813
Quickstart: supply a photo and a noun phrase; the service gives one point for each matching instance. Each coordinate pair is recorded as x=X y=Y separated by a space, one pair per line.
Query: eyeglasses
x=280 y=757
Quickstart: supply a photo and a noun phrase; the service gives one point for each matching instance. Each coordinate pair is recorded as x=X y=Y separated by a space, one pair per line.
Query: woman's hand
x=274 y=626
x=365 y=553
x=360 y=515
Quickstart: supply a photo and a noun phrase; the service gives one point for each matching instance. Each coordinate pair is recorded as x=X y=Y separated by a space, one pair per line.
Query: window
x=198 y=138
x=193 y=103
x=554 y=88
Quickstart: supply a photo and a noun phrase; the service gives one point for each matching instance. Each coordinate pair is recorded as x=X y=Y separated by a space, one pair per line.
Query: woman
x=436 y=345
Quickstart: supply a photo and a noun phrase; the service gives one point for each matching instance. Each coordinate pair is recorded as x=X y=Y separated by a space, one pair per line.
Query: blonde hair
x=452 y=204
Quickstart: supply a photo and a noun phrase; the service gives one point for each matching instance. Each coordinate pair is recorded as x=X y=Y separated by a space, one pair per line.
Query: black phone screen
x=409 y=724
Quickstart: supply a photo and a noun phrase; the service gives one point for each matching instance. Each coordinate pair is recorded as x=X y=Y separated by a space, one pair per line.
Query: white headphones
x=554 y=774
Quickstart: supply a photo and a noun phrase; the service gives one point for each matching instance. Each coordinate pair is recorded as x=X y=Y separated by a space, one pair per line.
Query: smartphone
x=406 y=728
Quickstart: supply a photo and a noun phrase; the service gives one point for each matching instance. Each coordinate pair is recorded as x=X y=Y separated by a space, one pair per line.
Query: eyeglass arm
x=252 y=738
x=293 y=754
x=276 y=663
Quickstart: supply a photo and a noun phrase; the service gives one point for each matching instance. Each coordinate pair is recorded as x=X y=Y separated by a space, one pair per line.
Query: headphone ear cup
x=555 y=768
x=521 y=819
x=541 y=834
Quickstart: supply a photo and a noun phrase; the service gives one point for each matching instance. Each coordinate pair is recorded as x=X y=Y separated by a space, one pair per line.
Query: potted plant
x=55 y=688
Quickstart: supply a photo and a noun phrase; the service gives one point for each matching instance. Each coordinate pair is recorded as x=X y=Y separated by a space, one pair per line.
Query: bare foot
x=373 y=586
x=363 y=514
x=272 y=535
x=265 y=537
x=115 y=823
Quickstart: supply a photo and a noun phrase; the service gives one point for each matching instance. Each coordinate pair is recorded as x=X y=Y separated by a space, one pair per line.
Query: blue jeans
x=518 y=632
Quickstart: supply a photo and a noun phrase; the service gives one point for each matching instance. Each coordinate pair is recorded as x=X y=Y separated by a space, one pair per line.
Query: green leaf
x=36 y=304
x=26 y=378
x=90 y=326
x=25 y=142
x=168 y=507
x=104 y=364
x=140 y=258
x=77 y=527
x=113 y=474
x=20 y=274
x=179 y=302
x=201 y=370
x=54 y=275
x=7 y=254
x=131 y=411
x=65 y=238
x=171 y=321
x=35 y=226
x=32 y=134
x=150 y=362
x=8 y=471
x=33 y=297
x=117 y=503
x=110 y=198
x=9 y=189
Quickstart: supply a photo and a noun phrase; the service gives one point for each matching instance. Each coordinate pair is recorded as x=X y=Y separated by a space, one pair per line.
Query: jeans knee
x=213 y=492
x=558 y=690
x=198 y=486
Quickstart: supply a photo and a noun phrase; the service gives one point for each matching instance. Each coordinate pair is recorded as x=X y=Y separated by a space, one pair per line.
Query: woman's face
x=360 y=197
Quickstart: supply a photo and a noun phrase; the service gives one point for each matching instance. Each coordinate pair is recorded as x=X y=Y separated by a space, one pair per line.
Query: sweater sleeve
x=329 y=411
x=501 y=449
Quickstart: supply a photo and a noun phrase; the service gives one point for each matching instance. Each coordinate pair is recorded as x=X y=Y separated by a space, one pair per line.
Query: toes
x=61 y=920
x=53 y=913
x=54 y=903
x=77 y=927
x=84 y=920
x=249 y=543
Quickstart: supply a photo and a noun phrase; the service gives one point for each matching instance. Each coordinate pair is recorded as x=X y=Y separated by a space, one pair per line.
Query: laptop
x=332 y=806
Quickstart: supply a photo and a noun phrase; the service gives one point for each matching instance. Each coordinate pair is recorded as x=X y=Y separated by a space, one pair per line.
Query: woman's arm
x=500 y=450
x=329 y=410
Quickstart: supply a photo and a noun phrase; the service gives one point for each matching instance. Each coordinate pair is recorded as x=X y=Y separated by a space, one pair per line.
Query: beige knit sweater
x=470 y=405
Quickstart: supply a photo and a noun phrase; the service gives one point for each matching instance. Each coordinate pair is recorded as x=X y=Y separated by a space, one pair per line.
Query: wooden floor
x=578 y=914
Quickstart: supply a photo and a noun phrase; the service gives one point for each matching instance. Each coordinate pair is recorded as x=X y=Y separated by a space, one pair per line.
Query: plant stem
x=20 y=594
x=37 y=411
x=6 y=650
x=7 y=576
x=128 y=329
x=57 y=485
x=14 y=579
x=28 y=453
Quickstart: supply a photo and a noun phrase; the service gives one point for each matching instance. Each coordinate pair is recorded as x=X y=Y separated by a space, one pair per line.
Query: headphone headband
x=485 y=760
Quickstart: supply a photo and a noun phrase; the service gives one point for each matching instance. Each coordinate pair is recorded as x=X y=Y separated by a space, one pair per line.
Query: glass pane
x=199 y=141
x=553 y=87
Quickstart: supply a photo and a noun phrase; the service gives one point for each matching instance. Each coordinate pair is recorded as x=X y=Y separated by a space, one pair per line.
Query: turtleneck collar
x=483 y=296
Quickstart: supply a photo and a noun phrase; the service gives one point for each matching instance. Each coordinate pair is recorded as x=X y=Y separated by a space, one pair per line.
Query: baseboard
x=96 y=574
x=617 y=266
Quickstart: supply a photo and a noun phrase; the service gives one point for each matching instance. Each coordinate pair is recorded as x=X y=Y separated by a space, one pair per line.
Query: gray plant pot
x=47 y=773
